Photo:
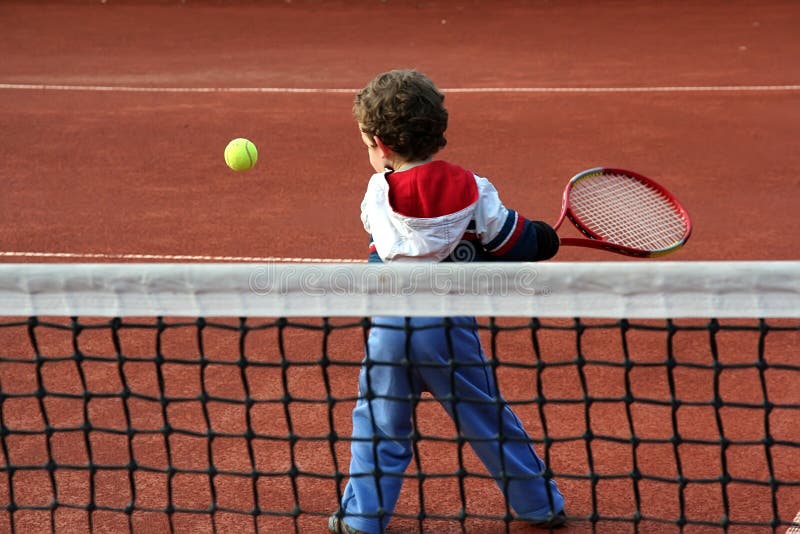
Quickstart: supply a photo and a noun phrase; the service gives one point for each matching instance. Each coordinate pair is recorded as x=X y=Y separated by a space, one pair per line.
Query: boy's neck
x=406 y=165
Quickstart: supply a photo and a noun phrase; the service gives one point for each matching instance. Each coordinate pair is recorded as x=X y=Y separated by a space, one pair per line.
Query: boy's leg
x=377 y=465
x=482 y=416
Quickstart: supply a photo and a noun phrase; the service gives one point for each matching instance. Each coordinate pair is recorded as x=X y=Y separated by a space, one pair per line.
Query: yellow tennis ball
x=241 y=154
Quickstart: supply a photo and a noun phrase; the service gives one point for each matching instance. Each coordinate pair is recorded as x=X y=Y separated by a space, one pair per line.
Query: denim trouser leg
x=448 y=362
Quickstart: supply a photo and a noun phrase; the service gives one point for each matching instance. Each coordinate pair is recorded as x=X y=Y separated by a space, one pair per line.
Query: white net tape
x=551 y=289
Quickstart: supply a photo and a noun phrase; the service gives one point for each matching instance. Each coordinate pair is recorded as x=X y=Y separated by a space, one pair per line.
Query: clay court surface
x=114 y=117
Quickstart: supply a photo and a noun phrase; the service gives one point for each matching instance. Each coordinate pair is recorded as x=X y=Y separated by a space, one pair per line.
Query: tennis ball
x=241 y=154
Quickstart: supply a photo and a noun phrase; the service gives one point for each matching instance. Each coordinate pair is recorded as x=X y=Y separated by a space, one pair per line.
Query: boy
x=417 y=209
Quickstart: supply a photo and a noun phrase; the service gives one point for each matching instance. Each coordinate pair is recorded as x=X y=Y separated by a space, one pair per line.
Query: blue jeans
x=449 y=363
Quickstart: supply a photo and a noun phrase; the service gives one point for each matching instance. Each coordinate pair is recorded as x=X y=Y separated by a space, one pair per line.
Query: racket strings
x=626 y=211
x=624 y=227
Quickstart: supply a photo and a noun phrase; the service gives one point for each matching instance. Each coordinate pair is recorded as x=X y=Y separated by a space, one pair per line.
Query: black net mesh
x=220 y=424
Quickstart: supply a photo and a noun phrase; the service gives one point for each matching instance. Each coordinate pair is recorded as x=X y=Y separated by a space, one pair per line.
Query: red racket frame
x=594 y=240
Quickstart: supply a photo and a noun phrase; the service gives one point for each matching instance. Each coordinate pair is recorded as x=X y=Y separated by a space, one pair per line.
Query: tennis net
x=663 y=396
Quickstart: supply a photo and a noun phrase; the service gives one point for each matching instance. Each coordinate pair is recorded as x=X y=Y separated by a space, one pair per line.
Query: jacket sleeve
x=373 y=257
x=507 y=235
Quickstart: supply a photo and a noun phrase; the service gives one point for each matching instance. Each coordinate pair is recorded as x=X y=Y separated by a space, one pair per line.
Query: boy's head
x=405 y=111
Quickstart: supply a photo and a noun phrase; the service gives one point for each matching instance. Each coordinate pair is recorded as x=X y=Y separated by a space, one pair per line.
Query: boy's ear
x=384 y=149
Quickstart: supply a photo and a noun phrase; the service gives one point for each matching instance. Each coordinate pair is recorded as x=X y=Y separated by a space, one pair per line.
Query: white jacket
x=398 y=237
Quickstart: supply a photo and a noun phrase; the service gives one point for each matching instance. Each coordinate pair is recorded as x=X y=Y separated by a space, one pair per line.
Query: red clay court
x=114 y=116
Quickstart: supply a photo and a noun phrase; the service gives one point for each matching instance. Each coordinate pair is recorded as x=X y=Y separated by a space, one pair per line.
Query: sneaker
x=337 y=525
x=557 y=521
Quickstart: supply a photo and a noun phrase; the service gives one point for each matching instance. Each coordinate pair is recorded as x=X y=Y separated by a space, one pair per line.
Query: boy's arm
x=507 y=235
x=521 y=239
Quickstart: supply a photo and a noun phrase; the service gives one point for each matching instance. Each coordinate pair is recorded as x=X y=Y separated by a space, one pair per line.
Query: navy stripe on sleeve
x=504 y=233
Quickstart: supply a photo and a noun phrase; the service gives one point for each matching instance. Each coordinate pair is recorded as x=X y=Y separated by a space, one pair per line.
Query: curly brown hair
x=406 y=111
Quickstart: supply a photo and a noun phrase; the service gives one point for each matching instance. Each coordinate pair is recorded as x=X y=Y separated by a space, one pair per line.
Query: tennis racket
x=623 y=212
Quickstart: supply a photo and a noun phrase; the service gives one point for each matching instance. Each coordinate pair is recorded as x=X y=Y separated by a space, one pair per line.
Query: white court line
x=130 y=89
x=172 y=257
x=292 y=90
